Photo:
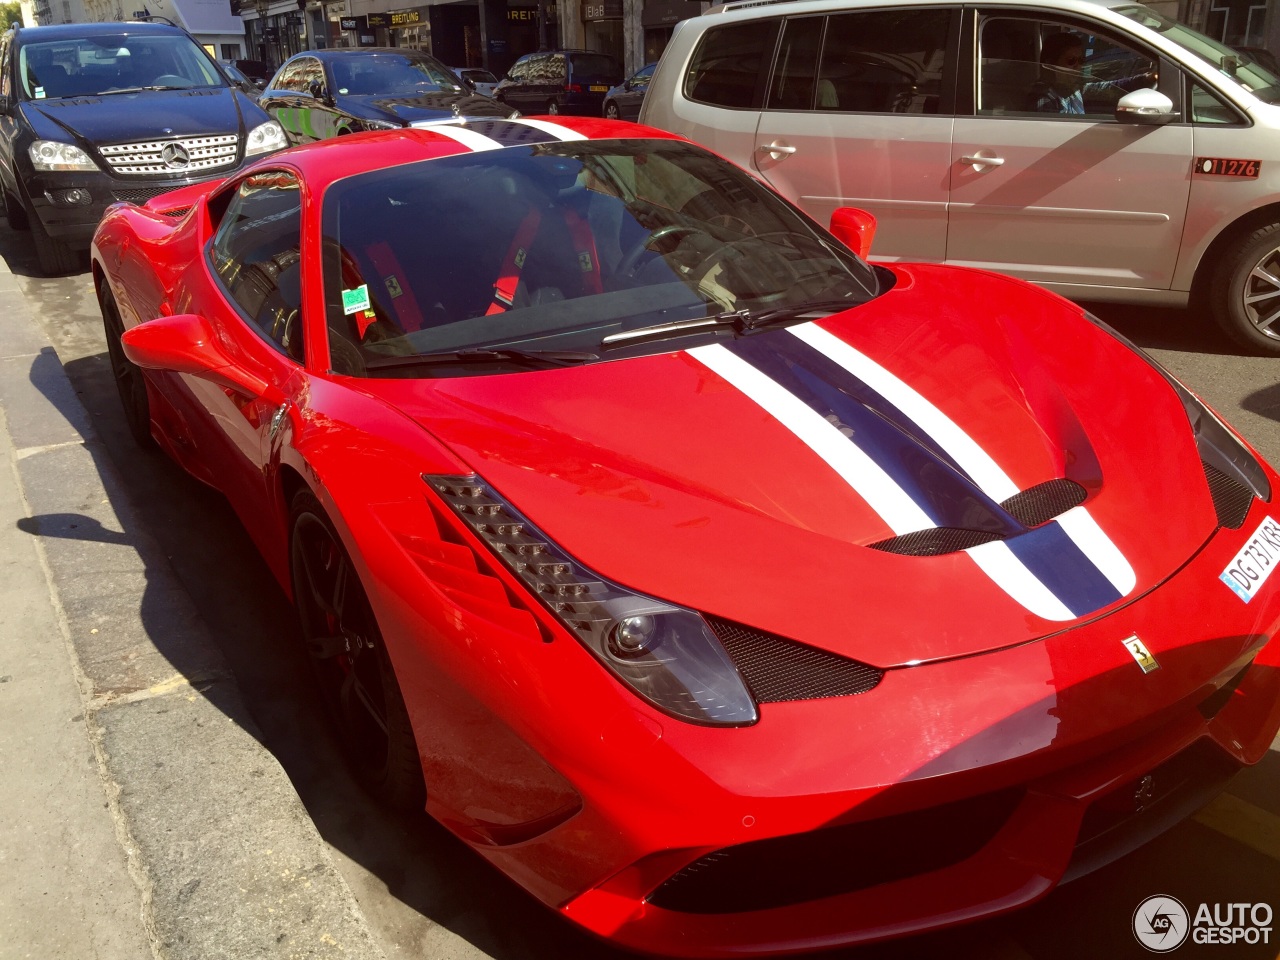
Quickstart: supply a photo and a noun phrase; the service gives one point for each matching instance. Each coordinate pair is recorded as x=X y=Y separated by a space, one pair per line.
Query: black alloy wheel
x=130 y=381
x=349 y=662
x=611 y=110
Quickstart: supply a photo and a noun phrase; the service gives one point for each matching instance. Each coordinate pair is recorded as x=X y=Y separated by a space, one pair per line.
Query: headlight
x=264 y=138
x=1217 y=443
x=667 y=654
x=52 y=155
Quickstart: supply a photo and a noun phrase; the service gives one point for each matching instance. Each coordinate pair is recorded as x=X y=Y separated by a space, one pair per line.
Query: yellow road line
x=1242 y=821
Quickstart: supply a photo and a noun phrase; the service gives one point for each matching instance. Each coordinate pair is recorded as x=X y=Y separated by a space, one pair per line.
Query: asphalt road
x=427 y=896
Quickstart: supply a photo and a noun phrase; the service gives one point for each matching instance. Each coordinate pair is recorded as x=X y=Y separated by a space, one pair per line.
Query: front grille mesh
x=146 y=158
x=1031 y=507
x=1231 y=498
x=778 y=670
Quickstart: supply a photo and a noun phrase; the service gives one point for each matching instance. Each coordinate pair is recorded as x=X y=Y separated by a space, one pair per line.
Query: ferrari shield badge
x=1138 y=650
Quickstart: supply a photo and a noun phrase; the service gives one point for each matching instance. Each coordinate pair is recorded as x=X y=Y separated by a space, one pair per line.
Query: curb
x=226 y=860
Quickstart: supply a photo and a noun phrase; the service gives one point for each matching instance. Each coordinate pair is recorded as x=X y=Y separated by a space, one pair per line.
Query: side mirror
x=468 y=83
x=854 y=228
x=260 y=84
x=4 y=105
x=186 y=343
x=1146 y=107
x=316 y=89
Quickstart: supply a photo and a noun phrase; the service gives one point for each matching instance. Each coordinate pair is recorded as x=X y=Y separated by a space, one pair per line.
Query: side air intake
x=777 y=669
x=1231 y=498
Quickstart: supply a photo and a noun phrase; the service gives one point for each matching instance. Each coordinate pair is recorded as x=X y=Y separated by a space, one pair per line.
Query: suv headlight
x=52 y=155
x=265 y=138
x=1216 y=442
x=666 y=654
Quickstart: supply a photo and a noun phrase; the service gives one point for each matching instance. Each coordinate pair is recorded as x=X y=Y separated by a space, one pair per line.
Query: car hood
x=431 y=106
x=121 y=118
x=702 y=476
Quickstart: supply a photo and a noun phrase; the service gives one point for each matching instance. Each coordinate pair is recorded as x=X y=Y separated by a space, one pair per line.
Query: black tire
x=1244 y=290
x=15 y=212
x=349 y=662
x=553 y=108
x=130 y=383
x=611 y=111
x=54 y=256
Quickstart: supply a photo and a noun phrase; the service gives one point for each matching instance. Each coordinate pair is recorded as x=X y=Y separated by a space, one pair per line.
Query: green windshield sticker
x=353 y=301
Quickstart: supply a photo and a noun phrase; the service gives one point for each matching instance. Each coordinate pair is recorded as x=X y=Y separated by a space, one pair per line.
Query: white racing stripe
x=862 y=473
x=555 y=129
x=973 y=460
x=1011 y=575
x=468 y=138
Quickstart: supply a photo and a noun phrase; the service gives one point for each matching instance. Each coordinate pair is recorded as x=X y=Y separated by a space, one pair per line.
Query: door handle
x=981 y=161
x=778 y=150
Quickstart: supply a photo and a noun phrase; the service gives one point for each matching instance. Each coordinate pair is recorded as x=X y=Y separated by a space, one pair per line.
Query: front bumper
x=982 y=782
x=70 y=204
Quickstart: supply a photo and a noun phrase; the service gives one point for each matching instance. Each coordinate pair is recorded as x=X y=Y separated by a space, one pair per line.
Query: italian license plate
x=599 y=88
x=1253 y=564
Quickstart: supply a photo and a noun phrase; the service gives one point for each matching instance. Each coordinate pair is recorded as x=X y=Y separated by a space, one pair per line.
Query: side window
x=310 y=71
x=6 y=64
x=256 y=254
x=1055 y=69
x=291 y=78
x=1205 y=107
x=519 y=70
x=641 y=79
x=726 y=67
x=796 y=66
x=884 y=61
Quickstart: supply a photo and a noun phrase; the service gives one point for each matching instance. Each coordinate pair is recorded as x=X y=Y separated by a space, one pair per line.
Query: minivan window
x=1237 y=67
x=884 y=61
x=796 y=66
x=113 y=63
x=725 y=70
x=592 y=65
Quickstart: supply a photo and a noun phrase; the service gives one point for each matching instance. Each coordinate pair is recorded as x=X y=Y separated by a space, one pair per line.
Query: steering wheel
x=722 y=253
x=170 y=80
x=631 y=259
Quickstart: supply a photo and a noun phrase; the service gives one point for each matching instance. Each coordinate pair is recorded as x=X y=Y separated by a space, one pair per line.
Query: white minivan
x=1100 y=149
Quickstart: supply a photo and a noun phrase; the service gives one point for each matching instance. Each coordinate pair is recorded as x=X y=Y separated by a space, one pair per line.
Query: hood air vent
x=1032 y=507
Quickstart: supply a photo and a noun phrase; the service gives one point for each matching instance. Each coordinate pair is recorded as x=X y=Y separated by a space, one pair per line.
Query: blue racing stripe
x=1064 y=569
x=509 y=133
x=925 y=472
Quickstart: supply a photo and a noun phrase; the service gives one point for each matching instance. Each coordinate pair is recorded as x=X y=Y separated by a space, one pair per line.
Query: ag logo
x=1161 y=924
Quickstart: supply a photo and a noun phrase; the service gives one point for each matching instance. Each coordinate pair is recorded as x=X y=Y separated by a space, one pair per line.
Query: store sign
x=378 y=20
x=351 y=23
x=602 y=10
x=409 y=18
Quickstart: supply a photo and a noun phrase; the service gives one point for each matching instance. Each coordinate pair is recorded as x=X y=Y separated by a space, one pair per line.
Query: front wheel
x=1244 y=291
x=54 y=256
x=611 y=110
x=553 y=108
x=349 y=661
x=130 y=383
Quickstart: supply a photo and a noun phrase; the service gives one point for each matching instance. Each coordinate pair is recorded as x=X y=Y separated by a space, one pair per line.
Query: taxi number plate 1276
x=1226 y=167
x=1253 y=564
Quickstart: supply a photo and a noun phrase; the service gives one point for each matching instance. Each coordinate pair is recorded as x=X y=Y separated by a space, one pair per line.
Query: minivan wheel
x=1244 y=292
x=611 y=110
x=553 y=108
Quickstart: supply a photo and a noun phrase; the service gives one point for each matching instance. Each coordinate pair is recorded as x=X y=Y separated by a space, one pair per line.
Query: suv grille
x=177 y=157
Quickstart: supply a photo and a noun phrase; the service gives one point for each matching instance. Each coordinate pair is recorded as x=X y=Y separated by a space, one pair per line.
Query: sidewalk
x=140 y=814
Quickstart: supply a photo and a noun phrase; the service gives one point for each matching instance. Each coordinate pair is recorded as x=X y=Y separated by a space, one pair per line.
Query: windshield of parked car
x=392 y=75
x=559 y=248
x=114 y=63
x=1236 y=66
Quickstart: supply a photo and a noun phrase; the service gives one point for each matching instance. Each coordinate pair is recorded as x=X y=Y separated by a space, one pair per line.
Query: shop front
x=602 y=27
x=659 y=19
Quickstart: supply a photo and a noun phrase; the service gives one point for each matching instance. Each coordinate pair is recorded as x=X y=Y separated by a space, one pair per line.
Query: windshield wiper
x=112 y=93
x=536 y=359
x=741 y=321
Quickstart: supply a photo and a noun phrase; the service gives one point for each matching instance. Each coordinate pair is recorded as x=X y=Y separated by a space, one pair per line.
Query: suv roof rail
x=742 y=4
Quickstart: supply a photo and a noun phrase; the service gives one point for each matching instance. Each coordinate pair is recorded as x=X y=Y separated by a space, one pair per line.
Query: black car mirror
x=4 y=105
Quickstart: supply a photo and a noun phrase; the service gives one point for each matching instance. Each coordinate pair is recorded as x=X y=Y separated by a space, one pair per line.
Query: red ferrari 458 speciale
x=730 y=594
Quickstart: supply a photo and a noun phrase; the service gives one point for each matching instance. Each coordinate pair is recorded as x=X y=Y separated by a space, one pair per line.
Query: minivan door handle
x=978 y=161
x=777 y=150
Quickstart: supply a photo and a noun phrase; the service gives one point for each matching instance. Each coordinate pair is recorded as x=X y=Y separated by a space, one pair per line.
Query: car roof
x=752 y=8
x=72 y=31
x=354 y=53
x=327 y=161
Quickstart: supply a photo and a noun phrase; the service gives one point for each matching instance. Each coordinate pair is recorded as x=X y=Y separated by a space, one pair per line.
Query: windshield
x=556 y=247
x=1237 y=66
x=392 y=75
x=89 y=66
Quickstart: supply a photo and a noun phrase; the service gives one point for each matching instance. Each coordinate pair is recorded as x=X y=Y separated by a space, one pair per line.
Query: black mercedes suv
x=95 y=113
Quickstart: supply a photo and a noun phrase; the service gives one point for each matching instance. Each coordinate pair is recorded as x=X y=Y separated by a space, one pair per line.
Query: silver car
x=1097 y=148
